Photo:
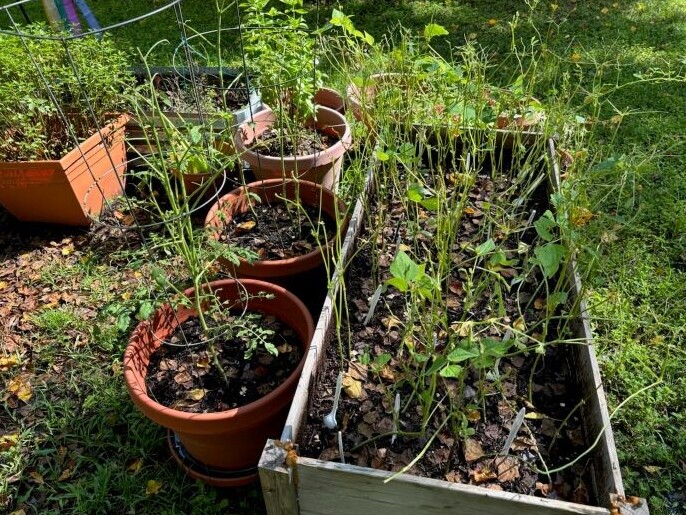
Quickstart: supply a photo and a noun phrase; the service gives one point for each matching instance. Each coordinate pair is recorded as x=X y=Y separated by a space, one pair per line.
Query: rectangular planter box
x=73 y=189
x=299 y=485
x=136 y=135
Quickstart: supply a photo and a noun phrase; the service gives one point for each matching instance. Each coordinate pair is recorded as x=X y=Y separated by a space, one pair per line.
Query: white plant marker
x=340 y=447
x=396 y=416
x=330 y=418
x=519 y=419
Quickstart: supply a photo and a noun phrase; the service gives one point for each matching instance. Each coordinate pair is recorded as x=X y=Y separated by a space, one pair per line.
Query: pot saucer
x=212 y=476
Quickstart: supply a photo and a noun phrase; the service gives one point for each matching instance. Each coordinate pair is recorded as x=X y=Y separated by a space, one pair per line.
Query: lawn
x=71 y=440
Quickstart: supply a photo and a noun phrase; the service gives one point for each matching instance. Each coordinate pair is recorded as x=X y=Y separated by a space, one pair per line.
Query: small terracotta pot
x=330 y=98
x=71 y=190
x=323 y=167
x=238 y=202
x=226 y=440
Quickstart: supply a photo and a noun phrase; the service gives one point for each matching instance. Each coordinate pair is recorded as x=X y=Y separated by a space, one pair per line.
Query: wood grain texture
x=278 y=490
x=327 y=488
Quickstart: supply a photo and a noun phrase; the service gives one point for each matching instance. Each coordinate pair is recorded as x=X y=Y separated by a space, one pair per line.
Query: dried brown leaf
x=508 y=469
x=472 y=450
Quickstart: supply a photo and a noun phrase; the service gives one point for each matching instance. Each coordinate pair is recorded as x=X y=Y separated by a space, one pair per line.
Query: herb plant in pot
x=62 y=152
x=294 y=227
x=217 y=364
x=295 y=138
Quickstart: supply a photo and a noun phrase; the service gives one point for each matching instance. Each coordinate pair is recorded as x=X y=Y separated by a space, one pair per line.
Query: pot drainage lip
x=210 y=475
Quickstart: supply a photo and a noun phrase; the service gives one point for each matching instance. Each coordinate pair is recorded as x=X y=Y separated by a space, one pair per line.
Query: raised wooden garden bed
x=295 y=484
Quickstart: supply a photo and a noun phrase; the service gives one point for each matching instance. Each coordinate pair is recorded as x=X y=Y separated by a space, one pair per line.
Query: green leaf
x=398 y=283
x=550 y=257
x=430 y=203
x=453 y=371
x=403 y=267
x=433 y=30
x=438 y=364
x=381 y=360
x=495 y=348
x=159 y=277
x=544 y=225
x=461 y=354
x=556 y=299
x=123 y=322
x=146 y=310
x=485 y=248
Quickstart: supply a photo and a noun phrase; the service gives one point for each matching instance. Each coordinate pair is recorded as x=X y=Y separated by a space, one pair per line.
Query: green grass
x=637 y=287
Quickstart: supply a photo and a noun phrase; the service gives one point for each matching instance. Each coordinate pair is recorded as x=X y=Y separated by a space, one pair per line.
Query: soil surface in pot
x=185 y=377
x=276 y=231
x=275 y=143
x=182 y=96
x=471 y=415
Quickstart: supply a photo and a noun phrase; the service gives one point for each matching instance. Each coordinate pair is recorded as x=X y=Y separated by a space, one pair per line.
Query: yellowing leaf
x=404 y=248
x=8 y=441
x=135 y=465
x=246 y=226
x=652 y=469
x=391 y=322
x=605 y=10
x=195 y=394
x=67 y=250
x=352 y=387
x=520 y=325
x=8 y=362
x=20 y=387
x=532 y=415
x=492 y=22
x=575 y=57
x=3 y=285
x=126 y=295
x=153 y=487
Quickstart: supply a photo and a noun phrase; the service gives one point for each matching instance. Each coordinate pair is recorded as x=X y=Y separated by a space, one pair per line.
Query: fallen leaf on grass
x=472 y=450
x=135 y=465
x=20 y=387
x=8 y=441
x=152 y=487
x=652 y=469
x=352 y=387
x=68 y=471
x=36 y=477
x=8 y=362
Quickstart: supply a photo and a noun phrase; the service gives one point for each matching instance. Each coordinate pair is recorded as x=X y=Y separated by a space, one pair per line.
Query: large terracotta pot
x=228 y=440
x=322 y=167
x=329 y=97
x=308 y=193
x=71 y=190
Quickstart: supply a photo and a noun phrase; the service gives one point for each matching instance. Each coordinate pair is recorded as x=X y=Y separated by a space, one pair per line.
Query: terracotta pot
x=228 y=440
x=323 y=167
x=330 y=98
x=71 y=190
x=194 y=181
x=238 y=202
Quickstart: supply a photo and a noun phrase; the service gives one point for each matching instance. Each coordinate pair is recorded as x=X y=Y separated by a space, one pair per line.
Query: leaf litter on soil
x=468 y=453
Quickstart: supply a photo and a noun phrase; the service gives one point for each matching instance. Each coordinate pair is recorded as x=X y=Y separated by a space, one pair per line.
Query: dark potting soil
x=465 y=450
x=180 y=95
x=276 y=231
x=185 y=377
x=276 y=143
